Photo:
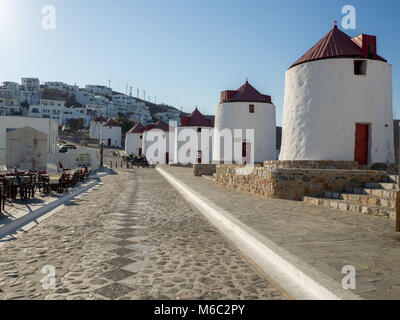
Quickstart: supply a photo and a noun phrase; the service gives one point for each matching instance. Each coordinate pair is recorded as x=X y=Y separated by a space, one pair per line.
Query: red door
x=246 y=152
x=109 y=142
x=167 y=158
x=140 y=152
x=199 y=156
x=362 y=143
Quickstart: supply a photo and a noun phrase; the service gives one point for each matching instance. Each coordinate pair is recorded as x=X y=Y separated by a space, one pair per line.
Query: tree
x=124 y=123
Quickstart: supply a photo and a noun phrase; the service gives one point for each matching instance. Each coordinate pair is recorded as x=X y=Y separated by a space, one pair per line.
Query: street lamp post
x=101 y=152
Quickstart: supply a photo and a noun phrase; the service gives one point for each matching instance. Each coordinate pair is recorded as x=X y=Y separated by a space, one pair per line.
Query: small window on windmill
x=198 y=130
x=141 y=137
x=360 y=67
x=251 y=108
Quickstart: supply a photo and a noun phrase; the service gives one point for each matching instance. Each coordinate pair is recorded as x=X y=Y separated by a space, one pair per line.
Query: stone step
x=352 y=207
x=391 y=178
x=362 y=198
x=381 y=185
x=372 y=192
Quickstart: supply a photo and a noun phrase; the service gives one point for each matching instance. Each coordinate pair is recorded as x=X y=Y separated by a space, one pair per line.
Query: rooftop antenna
x=137 y=95
x=130 y=93
x=109 y=84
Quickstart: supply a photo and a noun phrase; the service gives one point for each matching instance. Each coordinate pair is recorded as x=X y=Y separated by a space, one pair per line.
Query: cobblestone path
x=132 y=237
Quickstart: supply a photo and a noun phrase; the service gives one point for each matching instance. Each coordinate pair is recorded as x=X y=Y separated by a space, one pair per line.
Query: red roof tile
x=138 y=128
x=246 y=93
x=161 y=125
x=338 y=44
x=196 y=119
x=100 y=119
x=111 y=123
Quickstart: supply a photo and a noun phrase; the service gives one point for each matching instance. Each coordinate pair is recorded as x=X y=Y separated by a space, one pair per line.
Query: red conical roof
x=138 y=128
x=100 y=119
x=246 y=93
x=111 y=123
x=338 y=44
x=160 y=124
x=196 y=119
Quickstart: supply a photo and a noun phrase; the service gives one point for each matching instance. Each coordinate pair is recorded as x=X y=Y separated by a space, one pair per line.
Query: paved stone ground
x=133 y=237
x=325 y=238
x=15 y=210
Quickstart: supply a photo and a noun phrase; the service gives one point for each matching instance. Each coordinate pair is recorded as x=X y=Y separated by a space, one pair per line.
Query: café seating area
x=24 y=185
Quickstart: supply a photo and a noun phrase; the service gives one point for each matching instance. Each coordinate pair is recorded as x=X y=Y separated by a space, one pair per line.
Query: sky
x=185 y=52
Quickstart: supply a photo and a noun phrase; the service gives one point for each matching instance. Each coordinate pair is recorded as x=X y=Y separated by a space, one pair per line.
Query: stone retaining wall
x=312 y=164
x=204 y=169
x=294 y=183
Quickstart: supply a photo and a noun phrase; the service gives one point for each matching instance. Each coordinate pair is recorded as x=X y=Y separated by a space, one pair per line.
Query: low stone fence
x=312 y=164
x=204 y=169
x=293 y=183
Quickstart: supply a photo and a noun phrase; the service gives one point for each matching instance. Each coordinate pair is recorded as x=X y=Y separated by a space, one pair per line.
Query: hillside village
x=62 y=102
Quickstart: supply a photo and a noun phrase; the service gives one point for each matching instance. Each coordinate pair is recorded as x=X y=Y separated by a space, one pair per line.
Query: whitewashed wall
x=47 y=126
x=75 y=158
x=151 y=143
x=94 y=130
x=235 y=115
x=323 y=102
x=113 y=133
x=133 y=143
x=202 y=141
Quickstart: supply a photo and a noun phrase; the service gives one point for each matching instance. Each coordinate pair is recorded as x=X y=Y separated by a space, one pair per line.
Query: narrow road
x=132 y=237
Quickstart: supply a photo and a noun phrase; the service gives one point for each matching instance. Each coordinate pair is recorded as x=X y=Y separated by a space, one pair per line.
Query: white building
x=95 y=126
x=245 y=125
x=48 y=109
x=76 y=113
x=99 y=90
x=67 y=89
x=33 y=86
x=158 y=142
x=193 y=139
x=134 y=140
x=338 y=103
x=10 y=97
x=111 y=134
x=46 y=126
x=169 y=115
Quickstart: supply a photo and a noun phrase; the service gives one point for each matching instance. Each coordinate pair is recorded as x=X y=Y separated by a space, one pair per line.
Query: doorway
x=361 y=149
x=246 y=152
x=109 y=142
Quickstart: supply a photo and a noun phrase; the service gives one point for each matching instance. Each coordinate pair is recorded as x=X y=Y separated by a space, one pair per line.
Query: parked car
x=64 y=148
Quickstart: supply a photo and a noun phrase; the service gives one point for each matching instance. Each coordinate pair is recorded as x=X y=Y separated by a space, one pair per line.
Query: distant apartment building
x=67 y=89
x=99 y=90
x=170 y=115
x=32 y=85
x=77 y=113
x=10 y=98
x=48 y=109
x=136 y=110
